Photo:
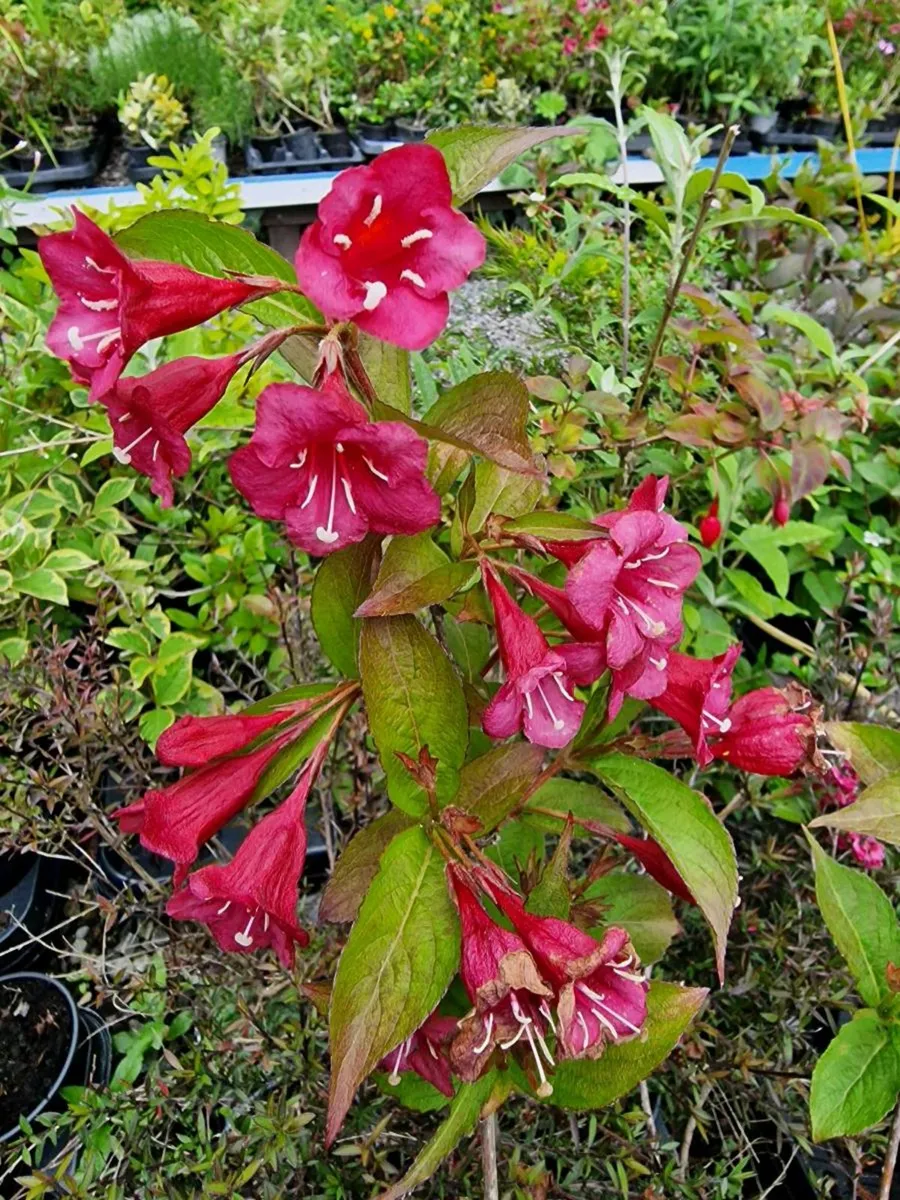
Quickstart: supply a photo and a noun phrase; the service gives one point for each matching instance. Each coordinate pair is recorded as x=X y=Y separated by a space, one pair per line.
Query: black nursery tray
x=283 y=162
x=48 y=178
x=799 y=135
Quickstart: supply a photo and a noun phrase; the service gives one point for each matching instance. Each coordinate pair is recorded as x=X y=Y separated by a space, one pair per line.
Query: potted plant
x=151 y=116
x=27 y=906
x=48 y=1044
x=370 y=117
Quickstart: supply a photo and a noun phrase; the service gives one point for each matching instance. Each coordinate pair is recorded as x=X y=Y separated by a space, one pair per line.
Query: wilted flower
x=772 y=731
x=426 y=1053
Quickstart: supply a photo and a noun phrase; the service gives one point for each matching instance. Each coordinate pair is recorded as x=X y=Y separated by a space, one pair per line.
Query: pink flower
x=887 y=48
x=867 y=851
x=709 y=526
x=150 y=415
x=698 y=696
x=536 y=696
x=781 y=508
x=584 y=6
x=426 y=1053
x=316 y=462
x=387 y=247
x=570 y=46
x=503 y=983
x=771 y=732
x=629 y=589
x=841 y=789
x=600 y=997
x=175 y=821
x=251 y=902
x=600 y=33
x=110 y=305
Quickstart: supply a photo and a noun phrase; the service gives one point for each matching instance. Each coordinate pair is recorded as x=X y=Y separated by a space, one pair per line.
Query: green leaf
x=414 y=574
x=506 y=493
x=342 y=582
x=640 y=905
x=476 y=154
x=491 y=785
x=113 y=492
x=556 y=526
x=98 y=449
x=685 y=826
x=13 y=650
x=68 y=560
x=873 y=750
x=856 y=1081
x=399 y=960
x=153 y=723
x=876 y=813
x=414 y=699
x=554 y=800
x=412 y=1092
x=388 y=369
x=807 y=325
x=129 y=639
x=358 y=866
x=172 y=680
x=550 y=897
x=213 y=248
x=287 y=761
x=762 y=544
x=178 y=645
x=44 y=584
x=487 y=414
x=740 y=214
x=862 y=921
x=587 y=1084
x=465 y=1109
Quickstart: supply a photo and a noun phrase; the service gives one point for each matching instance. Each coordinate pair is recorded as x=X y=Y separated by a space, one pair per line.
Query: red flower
x=196 y=741
x=504 y=985
x=537 y=695
x=600 y=998
x=698 y=695
x=600 y=33
x=387 y=247
x=150 y=414
x=318 y=463
x=110 y=305
x=867 y=851
x=709 y=526
x=251 y=902
x=781 y=509
x=426 y=1053
x=570 y=46
x=771 y=732
x=175 y=821
x=656 y=863
x=630 y=588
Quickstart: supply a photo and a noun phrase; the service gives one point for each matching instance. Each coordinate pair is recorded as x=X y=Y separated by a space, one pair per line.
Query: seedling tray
x=286 y=163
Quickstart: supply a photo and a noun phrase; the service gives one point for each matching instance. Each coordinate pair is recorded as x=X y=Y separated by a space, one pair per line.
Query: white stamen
x=487 y=1036
x=155 y=450
x=528 y=704
x=420 y=235
x=327 y=533
x=74 y=338
x=346 y=486
x=244 y=938
x=328 y=536
x=375 y=212
x=89 y=262
x=108 y=340
x=375 y=293
x=225 y=907
x=124 y=417
x=431 y=1049
x=543 y=1046
x=660 y=663
x=655 y=557
x=558 y=676
x=546 y=1013
x=413 y=277
x=339 y=447
x=394 y=1077
x=374 y=470
x=517 y=1010
x=265 y=922
x=590 y=992
x=124 y=456
x=587 y=1037
x=99 y=305
x=557 y=722
x=664 y=583
x=295 y=466
x=619 y=1017
x=311 y=492
x=341 y=239
x=605 y=1022
x=632 y=975
x=654 y=628
x=512 y=1041
x=537 y=1058
x=724 y=724
x=626 y=962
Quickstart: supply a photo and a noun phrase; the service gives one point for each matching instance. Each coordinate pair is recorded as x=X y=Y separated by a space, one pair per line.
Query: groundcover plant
x=484 y=981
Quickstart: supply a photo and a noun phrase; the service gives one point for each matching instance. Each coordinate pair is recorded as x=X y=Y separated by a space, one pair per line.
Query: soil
x=36 y=1027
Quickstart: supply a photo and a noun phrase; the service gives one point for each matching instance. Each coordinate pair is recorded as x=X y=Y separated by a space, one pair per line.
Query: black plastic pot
x=302 y=145
x=375 y=131
x=75 y=165
x=27 y=909
x=336 y=142
x=73 y=156
x=881 y=131
x=410 y=131
x=55 y=1044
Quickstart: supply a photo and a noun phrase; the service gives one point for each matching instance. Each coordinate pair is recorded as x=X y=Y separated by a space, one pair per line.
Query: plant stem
x=615 y=94
x=890 y=1162
x=672 y=296
x=488 y=1134
x=848 y=132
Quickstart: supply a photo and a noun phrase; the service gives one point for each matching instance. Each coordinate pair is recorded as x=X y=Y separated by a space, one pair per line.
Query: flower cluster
x=840 y=788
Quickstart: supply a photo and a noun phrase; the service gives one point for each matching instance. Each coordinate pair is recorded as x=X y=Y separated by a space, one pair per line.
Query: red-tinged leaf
x=493 y=784
x=399 y=960
x=810 y=464
x=414 y=698
x=415 y=573
x=388 y=369
x=358 y=866
x=553 y=527
x=759 y=395
x=476 y=154
x=342 y=582
x=873 y=750
x=488 y=414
